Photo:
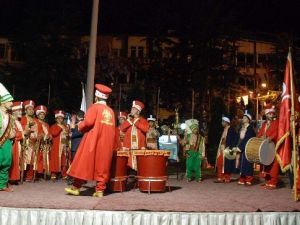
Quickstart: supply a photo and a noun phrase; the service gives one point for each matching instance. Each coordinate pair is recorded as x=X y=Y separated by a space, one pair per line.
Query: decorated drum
x=118 y=171
x=151 y=169
x=260 y=150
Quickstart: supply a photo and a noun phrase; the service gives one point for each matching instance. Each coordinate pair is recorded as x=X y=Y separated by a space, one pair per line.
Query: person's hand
x=40 y=136
x=28 y=131
x=236 y=149
x=73 y=121
x=187 y=155
x=222 y=148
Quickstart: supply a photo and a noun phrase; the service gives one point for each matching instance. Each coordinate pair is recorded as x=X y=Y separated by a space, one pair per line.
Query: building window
x=133 y=51
x=250 y=59
x=2 y=51
x=140 y=52
x=241 y=59
x=261 y=59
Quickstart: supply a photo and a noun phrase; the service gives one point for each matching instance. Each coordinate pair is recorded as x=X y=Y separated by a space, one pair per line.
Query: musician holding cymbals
x=225 y=165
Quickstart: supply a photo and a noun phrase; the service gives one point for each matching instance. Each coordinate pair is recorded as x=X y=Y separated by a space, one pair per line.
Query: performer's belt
x=6 y=132
x=151 y=140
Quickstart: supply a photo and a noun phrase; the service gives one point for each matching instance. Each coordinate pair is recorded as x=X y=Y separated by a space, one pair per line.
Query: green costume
x=193 y=148
x=5 y=162
x=6 y=124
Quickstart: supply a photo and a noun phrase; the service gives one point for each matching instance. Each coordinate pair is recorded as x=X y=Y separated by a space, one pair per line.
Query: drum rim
x=122 y=153
x=151 y=152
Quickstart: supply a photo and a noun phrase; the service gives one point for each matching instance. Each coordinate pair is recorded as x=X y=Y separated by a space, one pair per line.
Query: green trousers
x=193 y=164
x=5 y=162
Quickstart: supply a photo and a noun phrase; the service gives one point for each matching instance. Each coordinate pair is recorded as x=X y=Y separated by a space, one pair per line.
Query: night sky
x=154 y=16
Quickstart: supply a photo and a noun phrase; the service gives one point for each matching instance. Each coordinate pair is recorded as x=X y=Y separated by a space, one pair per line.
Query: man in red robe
x=120 y=134
x=135 y=128
x=93 y=157
x=29 y=125
x=42 y=160
x=60 y=151
x=14 y=172
x=269 y=129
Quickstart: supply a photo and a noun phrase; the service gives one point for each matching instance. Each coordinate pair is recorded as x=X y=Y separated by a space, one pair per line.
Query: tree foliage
x=49 y=47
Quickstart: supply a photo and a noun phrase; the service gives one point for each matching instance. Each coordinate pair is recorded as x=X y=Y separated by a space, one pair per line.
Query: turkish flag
x=284 y=144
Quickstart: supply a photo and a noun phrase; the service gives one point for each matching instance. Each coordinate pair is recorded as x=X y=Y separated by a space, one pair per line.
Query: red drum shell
x=152 y=170
x=118 y=171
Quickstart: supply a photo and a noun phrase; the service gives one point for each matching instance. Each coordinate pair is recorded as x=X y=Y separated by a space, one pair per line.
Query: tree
x=48 y=41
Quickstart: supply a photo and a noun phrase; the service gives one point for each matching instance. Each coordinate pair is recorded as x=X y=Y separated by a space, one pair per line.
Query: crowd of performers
x=235 y=138
x=30 y=149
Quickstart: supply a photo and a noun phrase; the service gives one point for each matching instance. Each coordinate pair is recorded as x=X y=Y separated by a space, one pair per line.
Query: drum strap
x=239 y=141
x=6 y=132
x=197 y=143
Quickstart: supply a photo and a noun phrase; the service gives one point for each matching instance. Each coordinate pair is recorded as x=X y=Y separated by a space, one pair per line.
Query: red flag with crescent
x=284 y=144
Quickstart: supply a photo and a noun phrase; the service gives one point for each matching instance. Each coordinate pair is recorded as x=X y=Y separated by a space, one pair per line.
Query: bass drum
x=260 y=150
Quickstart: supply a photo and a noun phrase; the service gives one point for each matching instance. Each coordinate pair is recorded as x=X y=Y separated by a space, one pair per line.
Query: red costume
x=44 y=136
x=141 y=126
x=120 y=134
x=93 y=157
x=14 y=173
x=270 y=131
x=135 y=132
x=59 y=153
x=298 y=166
x=29 y=155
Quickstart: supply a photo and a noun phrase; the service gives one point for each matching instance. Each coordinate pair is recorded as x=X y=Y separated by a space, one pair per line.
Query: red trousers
x=64 y=167
x=100 y=186
x=221 y=175
x=272 y=172
x=29 y=173
x=244 y=179
x=14 y=172
x=298 y=179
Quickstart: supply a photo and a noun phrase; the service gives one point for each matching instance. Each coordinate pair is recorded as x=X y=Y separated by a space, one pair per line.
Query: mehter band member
x=93 y=157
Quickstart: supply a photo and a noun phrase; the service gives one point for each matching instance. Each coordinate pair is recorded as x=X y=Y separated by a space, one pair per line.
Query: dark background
x=145 y=16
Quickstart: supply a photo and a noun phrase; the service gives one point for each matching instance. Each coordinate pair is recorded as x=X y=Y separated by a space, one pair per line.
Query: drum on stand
x=152 y=169
x=118 y=171
x=260 y=150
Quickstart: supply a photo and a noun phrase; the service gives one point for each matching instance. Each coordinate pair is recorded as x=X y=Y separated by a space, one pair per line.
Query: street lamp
x=245 y=99
x=263 y=85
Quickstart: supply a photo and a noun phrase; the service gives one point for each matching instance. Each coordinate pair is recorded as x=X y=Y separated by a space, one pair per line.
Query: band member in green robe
x=6 y=134
x=193 y=145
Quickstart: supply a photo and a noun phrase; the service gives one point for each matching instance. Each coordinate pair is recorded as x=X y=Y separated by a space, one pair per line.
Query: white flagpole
x=83 y=100
x=92 y=53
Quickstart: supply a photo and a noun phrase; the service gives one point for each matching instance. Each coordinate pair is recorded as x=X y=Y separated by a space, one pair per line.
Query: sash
x=6 y=124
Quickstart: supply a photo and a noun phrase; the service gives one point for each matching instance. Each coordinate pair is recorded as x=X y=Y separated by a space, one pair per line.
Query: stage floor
x=184 y=197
